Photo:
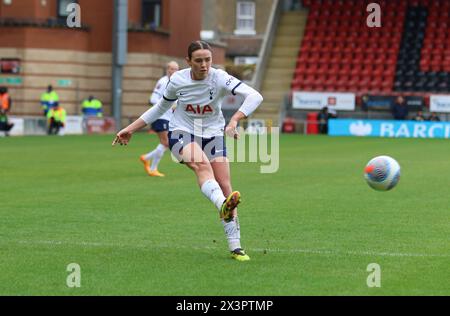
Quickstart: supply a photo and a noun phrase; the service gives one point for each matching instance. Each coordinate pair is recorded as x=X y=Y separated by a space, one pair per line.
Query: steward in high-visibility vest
x=49 y=99
x=56 y=118
x=5 y=100
x=92 y=107
x=5 y=106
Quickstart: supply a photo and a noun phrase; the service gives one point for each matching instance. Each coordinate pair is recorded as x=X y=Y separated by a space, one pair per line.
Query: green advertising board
x=11 y=80
x=64 y=82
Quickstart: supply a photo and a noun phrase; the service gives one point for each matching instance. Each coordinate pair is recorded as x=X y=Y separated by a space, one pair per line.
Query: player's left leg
x=221 y=169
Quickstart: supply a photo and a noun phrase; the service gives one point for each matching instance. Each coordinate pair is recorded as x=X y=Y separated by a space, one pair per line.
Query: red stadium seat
x=343 y=53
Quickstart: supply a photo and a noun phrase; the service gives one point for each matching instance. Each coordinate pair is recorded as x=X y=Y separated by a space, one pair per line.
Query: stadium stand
x=276 y=82
x=339 y=52
x=408 y=54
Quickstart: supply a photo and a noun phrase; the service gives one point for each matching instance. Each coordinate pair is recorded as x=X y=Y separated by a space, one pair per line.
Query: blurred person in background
x=49 y=99
x=419 y=116
x=161 y=125
x=322 y=118
x=400 y=109
x=434 y=117
x=5 y=107
x=92 y=107
x=56 y=120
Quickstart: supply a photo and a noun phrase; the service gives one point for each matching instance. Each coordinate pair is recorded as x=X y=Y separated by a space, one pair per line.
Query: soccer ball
x=382 y=173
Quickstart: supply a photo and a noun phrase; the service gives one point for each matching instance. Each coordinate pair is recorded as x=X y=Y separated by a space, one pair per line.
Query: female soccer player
x=161 y=125
x=196 y=131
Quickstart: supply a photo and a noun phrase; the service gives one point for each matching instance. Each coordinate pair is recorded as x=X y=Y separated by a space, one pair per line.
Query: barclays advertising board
x=380 y=128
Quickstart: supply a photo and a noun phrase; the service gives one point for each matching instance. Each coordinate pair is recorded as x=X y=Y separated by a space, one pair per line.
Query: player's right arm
x=151 y=115
x=124 y=136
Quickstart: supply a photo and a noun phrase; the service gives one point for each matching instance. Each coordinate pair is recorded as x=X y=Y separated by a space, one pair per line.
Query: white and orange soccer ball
x=382 y=173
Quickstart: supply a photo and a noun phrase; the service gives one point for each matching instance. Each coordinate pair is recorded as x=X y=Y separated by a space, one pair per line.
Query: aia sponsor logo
x=199 y=109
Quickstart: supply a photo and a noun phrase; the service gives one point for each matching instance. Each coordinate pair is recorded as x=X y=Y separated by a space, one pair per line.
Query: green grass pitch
x=311 y=228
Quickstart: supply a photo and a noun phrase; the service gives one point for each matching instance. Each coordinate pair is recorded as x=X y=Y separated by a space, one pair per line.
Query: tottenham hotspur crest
x=212 y=90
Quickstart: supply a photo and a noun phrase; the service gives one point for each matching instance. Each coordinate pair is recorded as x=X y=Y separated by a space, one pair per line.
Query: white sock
x=159 y=153
x=213 y=192
x=233 y=233
x=150 y=155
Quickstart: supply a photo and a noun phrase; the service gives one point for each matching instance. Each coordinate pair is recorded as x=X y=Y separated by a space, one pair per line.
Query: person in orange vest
x=5 y=106
x=56 y=119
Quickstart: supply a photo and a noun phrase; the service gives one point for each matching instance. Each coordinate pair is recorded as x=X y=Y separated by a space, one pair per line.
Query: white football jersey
x=157 y=95
x=199 y=109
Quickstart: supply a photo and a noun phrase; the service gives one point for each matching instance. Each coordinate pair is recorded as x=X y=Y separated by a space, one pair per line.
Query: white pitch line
x=265 y=250
x=354 y=253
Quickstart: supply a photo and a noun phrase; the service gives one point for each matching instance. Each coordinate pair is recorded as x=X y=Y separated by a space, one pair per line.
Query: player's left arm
x=252 y=99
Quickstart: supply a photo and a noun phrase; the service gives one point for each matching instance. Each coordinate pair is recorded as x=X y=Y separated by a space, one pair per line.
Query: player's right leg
x=193 y=156
x=221 y=169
